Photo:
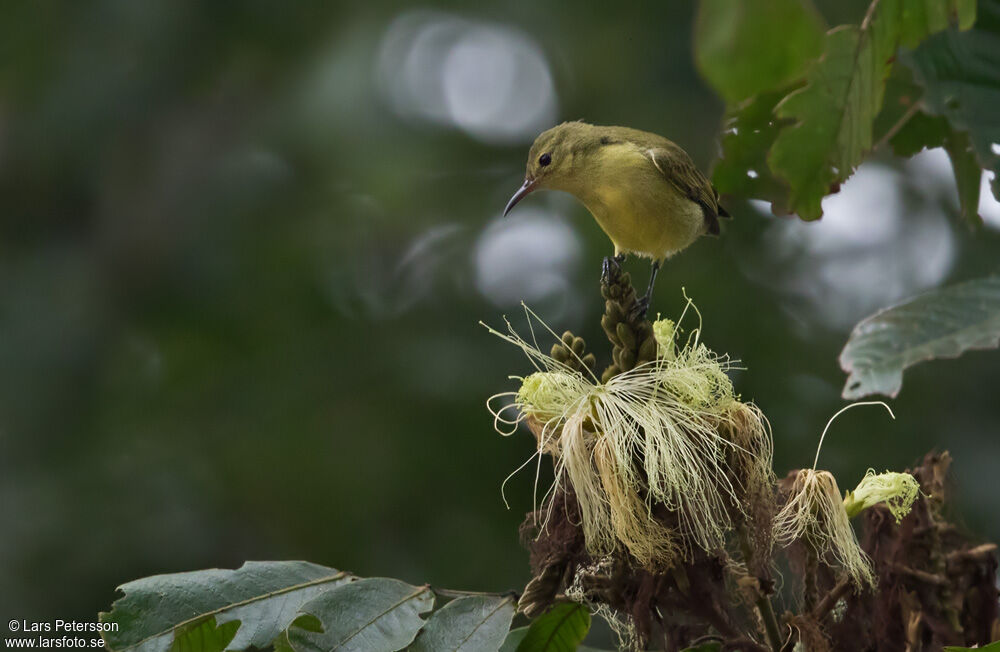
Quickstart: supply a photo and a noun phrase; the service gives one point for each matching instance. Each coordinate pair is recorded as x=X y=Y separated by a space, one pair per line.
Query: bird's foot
x=639 y=308
x=611 y=268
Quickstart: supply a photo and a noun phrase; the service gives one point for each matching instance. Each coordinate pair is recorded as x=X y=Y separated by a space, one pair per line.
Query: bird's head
x=555 y=159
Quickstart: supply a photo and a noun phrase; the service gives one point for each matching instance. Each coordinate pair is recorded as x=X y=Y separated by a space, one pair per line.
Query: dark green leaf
x=747 y=136
x=922 y=131
x=967 y=174
x=372 y=615
x=267 y=594
x=561 y=629
x=921 y=18
x=961 y=74
x=992 y=647
x=514 y=638
x=910 y=130
x=835 y=111
x=744 y=47
x=939 y=324
x=204 y=636
x=902 y=122
x=468 y=624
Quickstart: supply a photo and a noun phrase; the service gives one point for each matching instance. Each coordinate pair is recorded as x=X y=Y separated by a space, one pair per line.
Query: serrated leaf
x=748 y=133
x=939 y=324
x=469 y=624
x=372 y=615
x=961 y=74
x=561 y=629
x=204 y=636
x=835 y=111
x=744 y=47
x=267 y=594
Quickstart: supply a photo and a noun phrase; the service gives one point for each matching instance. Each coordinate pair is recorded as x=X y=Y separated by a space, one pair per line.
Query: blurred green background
x=244 y=248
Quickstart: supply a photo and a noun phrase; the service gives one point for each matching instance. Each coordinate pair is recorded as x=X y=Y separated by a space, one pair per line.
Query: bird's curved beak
x=528 y=186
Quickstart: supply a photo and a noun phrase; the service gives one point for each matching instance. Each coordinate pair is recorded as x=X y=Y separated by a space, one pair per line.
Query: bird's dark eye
x=544 y=159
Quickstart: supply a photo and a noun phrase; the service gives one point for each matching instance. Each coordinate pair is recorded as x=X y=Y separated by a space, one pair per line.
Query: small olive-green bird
x=644 y=190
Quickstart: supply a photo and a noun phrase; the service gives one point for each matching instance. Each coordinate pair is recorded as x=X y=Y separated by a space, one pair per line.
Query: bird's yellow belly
x=653 y=224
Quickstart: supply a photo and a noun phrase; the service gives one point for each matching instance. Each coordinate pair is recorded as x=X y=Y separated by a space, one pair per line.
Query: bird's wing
x=678 y=168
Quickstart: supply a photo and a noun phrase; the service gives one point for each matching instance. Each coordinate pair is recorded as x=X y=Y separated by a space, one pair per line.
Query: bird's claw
x=611 y=268
x=639 y=308
x=606 y=267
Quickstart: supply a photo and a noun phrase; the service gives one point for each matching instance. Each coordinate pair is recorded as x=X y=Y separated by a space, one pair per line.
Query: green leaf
x=920 y=18
x=967 y=174
x=514 y=638
x=469 y=624
x=939 y=324
x=744 y=47
x=561 y=629
x=992 y=647
x=835 y=111
x=267 y=594
x=902 y=122
x=961 y=74
x=204 y=636
x=372 y=615
x=916 y=130
x=748 y=134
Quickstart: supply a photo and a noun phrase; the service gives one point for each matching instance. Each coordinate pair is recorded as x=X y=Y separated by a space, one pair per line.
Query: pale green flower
x=663 y=332
x=676 y=414
x=897 y=490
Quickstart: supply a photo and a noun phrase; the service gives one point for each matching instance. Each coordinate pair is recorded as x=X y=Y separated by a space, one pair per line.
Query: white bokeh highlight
x=530 y=256
x=870 y=249
x=488 y=80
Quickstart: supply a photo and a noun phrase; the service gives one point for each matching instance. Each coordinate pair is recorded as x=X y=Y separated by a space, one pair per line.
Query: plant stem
x=811 y=591
x=830 y=600
x=763 y=602
x=451 y=593
x=894 y=129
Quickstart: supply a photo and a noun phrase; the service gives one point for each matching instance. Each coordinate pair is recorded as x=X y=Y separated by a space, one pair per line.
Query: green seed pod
x=590 y=361
x=643 y=330
x=567 y=338
x=613 y=311
x=610 y=373
x=560 y=353
x=626 y=359
x=626 y=336
x=647 y=350
x=578 y=346
x=609 y=329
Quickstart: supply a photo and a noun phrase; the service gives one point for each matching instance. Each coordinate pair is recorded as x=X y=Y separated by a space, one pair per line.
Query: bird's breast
x=640 y=210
